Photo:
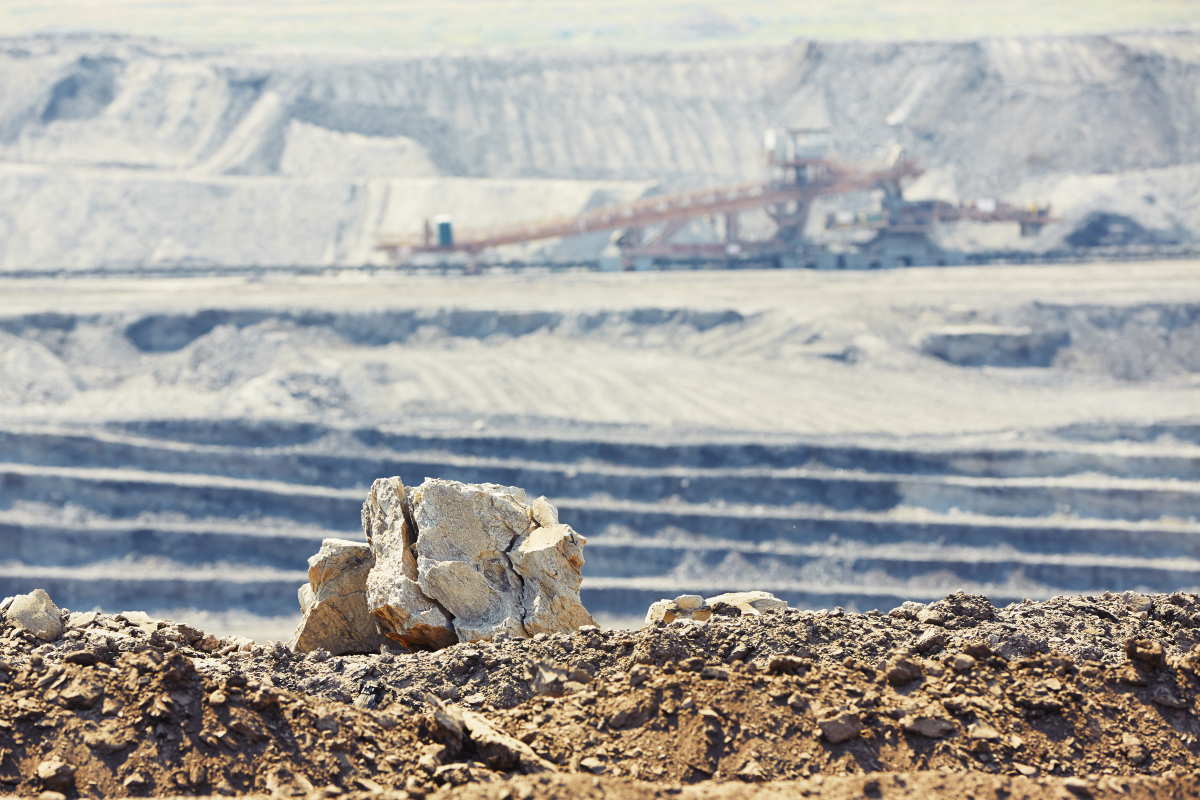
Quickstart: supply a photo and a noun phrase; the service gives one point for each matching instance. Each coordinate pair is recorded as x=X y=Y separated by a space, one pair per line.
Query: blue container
x=445 y=232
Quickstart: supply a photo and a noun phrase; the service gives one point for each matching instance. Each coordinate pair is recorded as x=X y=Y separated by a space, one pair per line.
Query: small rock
x=49 y=795
x=930 y=640
x=499 y=751
x=751 y=772
x=83 y=692
x=723 y=609
x=963 y=663
x=907 y=610
x=738 y=653
x=137 y=781
x=714 y=673
x=80 y=620
x=932 y=727
x=639 y=675
x=454 y=775
x=750 y=603
x=978 y=650
x=1135 y=751
x=671 y=610
x=1025 y=769
x=36 y=614
x=593 y=765
x=449 y=727
x=789 y=665
x=1077 y=787
x=1147 y=652
x=902 y=671
x=660 y=611
x=981 y=730
x=56 y=774
x=841 y=727
x=1163 y=696
x=548 y=678
x=931 y=616
x=84 y=658
x=431 y=758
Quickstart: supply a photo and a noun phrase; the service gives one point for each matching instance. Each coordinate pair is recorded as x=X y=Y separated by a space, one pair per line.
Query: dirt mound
x=691 y=722
x=935 y=694
x=496 y=673
x=152 y=725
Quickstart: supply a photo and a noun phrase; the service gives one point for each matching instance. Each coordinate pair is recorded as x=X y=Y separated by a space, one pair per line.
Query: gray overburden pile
x=444 y=562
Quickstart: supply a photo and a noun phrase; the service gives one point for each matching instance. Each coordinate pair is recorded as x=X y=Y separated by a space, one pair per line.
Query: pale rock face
x=404 y=611
x=36 y=613
x=483 y=605
x=549 y=560
x=462 y=522
x=336 y=617
x=469 y=562
x=465 y=531
x=386 y=526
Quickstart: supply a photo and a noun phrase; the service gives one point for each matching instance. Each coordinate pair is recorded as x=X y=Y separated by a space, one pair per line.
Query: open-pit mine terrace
x=182 y=446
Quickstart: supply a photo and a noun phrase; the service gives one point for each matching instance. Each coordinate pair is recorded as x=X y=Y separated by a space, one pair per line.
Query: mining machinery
x=643 y=230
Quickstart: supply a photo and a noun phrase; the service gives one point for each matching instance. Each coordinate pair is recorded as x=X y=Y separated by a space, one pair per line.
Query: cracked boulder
x=468 y=562
x=334 y=602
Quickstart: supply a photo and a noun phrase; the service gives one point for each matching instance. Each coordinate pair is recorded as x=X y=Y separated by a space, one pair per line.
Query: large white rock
x=467 y=562
x=334 y=602
x=394 y=596
x=36 y=613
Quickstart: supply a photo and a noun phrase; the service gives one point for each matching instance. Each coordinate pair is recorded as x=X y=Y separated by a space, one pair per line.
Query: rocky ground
x=1080 y=695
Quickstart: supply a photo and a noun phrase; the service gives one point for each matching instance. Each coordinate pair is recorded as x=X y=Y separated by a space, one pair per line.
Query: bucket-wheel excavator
x=804 y=171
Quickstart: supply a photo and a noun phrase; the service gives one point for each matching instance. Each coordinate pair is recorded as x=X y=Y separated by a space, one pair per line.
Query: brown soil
x=152 y=725
x=1033 y=716
x=835 y=705
x=878 y=786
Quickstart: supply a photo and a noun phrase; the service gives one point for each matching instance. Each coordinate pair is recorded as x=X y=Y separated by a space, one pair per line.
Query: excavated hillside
x=128 y=152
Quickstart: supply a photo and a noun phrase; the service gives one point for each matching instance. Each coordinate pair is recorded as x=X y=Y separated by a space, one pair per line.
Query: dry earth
x=951 y=700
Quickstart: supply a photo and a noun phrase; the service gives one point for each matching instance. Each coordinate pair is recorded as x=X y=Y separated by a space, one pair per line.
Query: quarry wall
x=143 y=152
